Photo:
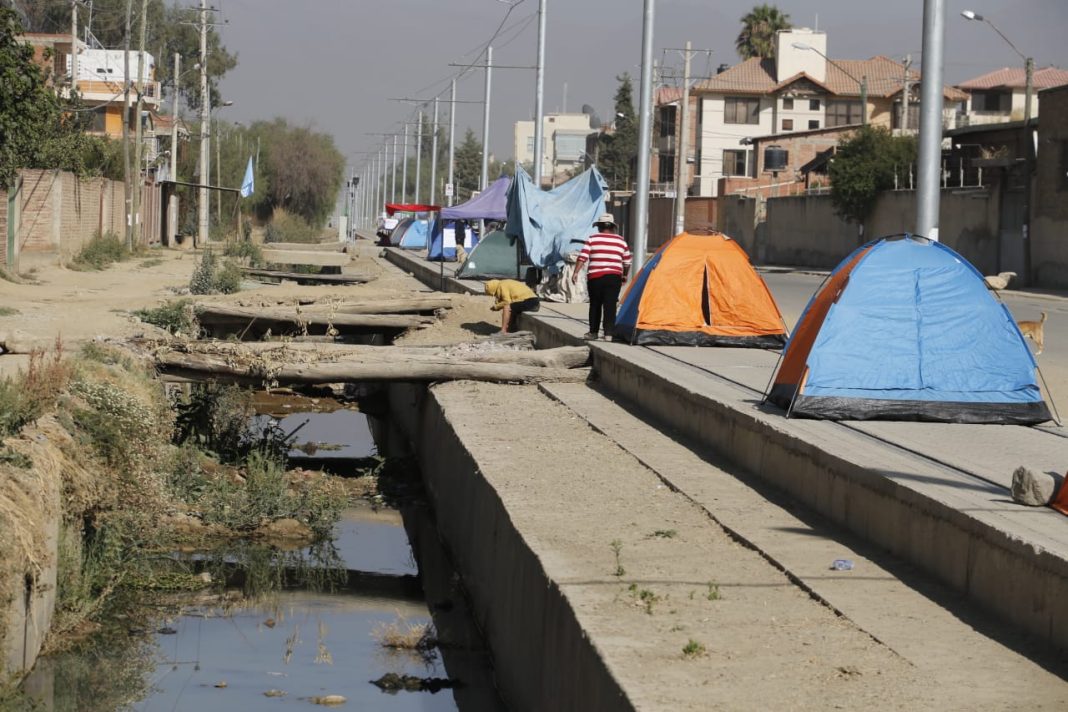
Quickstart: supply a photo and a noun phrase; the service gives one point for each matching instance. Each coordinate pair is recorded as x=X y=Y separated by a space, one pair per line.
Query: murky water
x=312 y=633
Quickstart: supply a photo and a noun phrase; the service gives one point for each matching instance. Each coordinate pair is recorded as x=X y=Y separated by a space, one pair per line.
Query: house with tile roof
x=801 y=90
x=998 y=96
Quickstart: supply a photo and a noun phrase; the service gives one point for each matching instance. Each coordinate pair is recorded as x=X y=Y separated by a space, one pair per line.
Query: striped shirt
x=606 y=253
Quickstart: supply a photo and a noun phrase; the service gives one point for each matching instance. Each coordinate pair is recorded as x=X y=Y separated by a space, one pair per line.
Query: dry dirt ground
x=80 y=306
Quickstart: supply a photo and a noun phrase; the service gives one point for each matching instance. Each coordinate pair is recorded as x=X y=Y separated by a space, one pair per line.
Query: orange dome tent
x=700 y=290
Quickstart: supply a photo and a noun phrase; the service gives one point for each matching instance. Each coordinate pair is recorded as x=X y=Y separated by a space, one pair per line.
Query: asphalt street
x=792 y=291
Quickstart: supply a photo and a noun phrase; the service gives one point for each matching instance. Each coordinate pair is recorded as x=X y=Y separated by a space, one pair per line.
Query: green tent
x=494 y=257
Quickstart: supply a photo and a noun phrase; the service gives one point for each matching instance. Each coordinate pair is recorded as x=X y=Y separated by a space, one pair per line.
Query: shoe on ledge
x=589 y=336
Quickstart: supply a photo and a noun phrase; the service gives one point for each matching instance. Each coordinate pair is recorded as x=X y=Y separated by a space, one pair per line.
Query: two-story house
x=801 y=91
x=563 y=145
x=999 y=96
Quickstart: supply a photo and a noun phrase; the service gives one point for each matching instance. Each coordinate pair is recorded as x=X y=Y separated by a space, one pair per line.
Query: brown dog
x=1033 y=330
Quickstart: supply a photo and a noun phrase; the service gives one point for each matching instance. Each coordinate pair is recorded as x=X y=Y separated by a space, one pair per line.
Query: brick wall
x=60 y=213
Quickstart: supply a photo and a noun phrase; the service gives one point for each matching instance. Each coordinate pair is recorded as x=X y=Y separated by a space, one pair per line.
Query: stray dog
x=1033 y=330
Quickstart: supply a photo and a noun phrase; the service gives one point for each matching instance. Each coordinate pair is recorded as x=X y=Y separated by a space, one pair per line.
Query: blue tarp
x=551 y=222
x=491 y=204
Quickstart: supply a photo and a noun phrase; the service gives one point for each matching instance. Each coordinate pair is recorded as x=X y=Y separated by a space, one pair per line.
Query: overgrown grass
x=102 y=251
x=8 y=311
x=245 y=250
x=693 y=649
x=418 y=639
x=176 y=316
x=286 y=227
x=27 y=396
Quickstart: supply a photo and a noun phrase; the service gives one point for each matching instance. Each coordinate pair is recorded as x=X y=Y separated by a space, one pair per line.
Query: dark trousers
x=604 y=296
x=527 y=305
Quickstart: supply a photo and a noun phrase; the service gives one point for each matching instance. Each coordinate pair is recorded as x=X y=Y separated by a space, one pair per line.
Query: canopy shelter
x=490 y=204
x=494 y=257
x=551 y=222
x=410 y=234
x=700 y=290
x=446 y=234
x=392 y=208
x=906 y=329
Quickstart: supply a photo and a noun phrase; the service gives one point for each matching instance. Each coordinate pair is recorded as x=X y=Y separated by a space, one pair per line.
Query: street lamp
x=1029 y=63
x=863 y=81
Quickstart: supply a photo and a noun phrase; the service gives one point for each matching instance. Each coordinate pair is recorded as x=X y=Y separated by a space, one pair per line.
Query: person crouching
x=513 y=298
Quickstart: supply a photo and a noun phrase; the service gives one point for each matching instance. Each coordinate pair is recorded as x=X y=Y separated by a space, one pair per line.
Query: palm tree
x=757 y=38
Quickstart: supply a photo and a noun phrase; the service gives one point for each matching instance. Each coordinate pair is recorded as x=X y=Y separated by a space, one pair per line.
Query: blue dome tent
x=411 y=234
x=490 y=204
x=906 y=329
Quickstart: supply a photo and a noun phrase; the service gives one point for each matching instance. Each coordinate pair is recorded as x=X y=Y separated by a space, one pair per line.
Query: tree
x=468 y=172
x=757 y=38
x=864 y=166
x=618 y=151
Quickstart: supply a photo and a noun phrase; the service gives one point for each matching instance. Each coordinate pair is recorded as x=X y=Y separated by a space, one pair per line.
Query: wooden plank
x=305 y=246
x=304 y=278
x=306 y=257
x=216 y=313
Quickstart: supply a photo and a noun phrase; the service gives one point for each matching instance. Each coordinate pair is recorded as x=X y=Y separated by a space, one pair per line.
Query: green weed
x=617 y=547
x=664 y=534
x=102 y=251
x=693 y=649
x=245 y=250
x=8 y=311
x=176 y=316
x=713 y=592
x=26 y=397
x=152 y=262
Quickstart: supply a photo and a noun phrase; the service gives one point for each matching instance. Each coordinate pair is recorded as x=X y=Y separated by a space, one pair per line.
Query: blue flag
x=248 y=185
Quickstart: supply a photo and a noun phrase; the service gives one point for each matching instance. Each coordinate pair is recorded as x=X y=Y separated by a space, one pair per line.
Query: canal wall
x=543 y=657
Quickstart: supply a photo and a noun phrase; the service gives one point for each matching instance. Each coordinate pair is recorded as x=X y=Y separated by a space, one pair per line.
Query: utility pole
x=404 y=168
x=681 y=148
x=138 y=144
x=1029 y=87
x=174 y=118
x=930 y=158
x=452 y=144
x=640 y=229
x=434 y=156
x=73 y=47
x=205 y=128
x=218 y=171
x=418 y=155
x=486 y=119
x=905 y=90
x=393 y=179
x=539 y=97
x=127 y=172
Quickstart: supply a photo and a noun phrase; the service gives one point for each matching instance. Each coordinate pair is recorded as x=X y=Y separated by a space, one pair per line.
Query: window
x=530 y=145
x=569 y=147
x=993 y=101
x=914 y=116
x=734 y=163
x=813 y=123
x=788 y=104
x=813 y=104
x=787 y=124
x=741 y=111
x=667 y=121
x=1064 y=166
x=667 y=168
x=99 y=122
x=843 y=113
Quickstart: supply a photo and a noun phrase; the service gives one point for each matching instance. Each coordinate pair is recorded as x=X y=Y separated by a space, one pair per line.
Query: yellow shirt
x=507 y=291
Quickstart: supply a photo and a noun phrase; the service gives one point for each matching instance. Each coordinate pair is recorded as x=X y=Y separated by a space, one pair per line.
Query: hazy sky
x=334 y=64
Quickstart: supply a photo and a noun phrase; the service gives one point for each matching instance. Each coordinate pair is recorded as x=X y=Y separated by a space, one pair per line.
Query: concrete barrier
x=543 y=658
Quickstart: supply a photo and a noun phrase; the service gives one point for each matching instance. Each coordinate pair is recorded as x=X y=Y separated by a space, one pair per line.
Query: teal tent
x=494 y=257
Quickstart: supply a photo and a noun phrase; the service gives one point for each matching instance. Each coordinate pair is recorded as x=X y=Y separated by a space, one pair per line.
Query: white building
x=563 y=144
x=999 y=96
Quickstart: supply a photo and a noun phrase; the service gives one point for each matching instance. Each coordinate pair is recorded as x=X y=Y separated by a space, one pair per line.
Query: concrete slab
x=306 y=257
x=925 y=623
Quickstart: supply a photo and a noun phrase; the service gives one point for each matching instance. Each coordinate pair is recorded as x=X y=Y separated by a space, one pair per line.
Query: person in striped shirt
x=608 y=260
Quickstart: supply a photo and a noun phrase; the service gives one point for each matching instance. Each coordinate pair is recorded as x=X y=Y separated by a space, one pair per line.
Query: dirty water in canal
x=372 y=619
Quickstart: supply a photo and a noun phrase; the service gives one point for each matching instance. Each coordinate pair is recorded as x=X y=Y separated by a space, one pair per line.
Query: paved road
x=792 y=290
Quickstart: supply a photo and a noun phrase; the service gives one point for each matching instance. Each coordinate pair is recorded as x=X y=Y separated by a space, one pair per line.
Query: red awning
x=392 y=208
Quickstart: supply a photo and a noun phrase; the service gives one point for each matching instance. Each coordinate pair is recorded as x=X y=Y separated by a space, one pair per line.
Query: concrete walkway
x=933 y=494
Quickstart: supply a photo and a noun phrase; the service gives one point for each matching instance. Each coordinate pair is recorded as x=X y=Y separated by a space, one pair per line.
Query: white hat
x=605 y=219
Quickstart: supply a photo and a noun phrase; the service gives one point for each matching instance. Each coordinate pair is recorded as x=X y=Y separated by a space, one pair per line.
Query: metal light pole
x=863 y=81
x=205 y=127
x=1029 y=62
x=393 y=178
x=452 y=144
x=434 y=155
x=930 y=158
x=486 y=119
x=418 y=156
x=404 y=168
x=539 y=96
x=681 y=148
x=640 y=230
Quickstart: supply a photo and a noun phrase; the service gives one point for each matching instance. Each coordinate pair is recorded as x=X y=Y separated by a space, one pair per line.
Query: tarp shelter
x=443 y=238
x=392 y=208
x=551 y=222
x=494 y=257
x=700 y=290
x=906 y=329
x=490 y=204
x=410 y=234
